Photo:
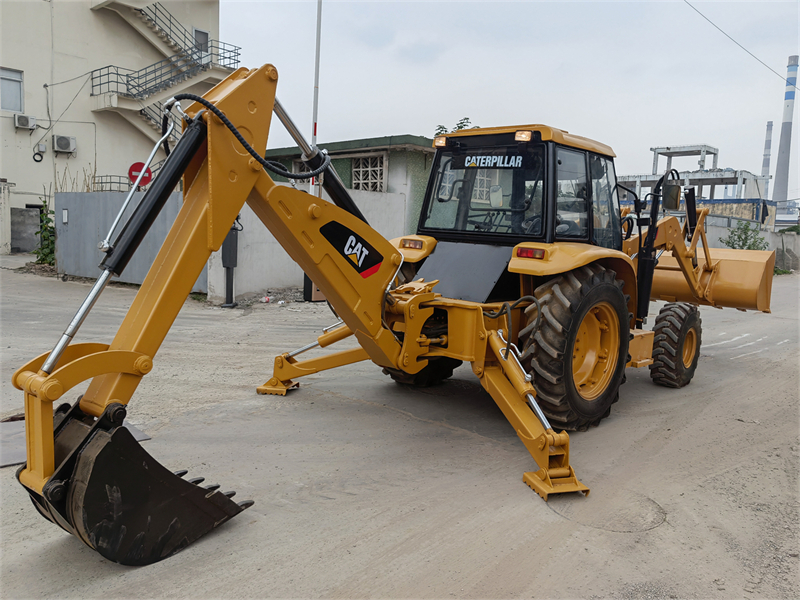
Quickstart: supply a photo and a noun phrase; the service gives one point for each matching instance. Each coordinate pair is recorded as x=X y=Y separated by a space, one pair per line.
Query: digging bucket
x=109 y=492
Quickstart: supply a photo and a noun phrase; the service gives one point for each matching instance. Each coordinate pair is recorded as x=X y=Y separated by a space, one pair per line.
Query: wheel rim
x=594 y=355
x=689 y=347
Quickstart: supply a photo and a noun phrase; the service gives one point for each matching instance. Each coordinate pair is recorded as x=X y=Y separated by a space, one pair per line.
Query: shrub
x=46 y=252
x=743 y=238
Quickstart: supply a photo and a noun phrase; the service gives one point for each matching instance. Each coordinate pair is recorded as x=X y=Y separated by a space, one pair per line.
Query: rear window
x=495 y=190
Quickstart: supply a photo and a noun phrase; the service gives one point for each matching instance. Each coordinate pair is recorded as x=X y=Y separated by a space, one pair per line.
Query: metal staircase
x=166 y=73
x=190 y=60
x=164 y=25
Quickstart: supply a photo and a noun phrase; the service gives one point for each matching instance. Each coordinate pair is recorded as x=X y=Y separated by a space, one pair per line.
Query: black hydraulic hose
x=270 y=165
x=506 y=310
x=164 y=127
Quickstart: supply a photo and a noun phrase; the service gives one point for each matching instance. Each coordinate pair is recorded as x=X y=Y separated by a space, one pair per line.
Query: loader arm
x=689 y=270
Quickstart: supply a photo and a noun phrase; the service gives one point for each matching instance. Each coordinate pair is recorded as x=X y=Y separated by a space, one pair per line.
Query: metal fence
x=83 y=219
x=111 y=183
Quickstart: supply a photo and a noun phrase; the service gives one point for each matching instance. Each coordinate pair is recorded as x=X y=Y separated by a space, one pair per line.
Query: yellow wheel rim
x=594 y=356
x=689 y=347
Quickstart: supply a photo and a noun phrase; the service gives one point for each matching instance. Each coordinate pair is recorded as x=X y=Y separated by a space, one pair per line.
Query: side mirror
x=671 y=198
x=496 y=196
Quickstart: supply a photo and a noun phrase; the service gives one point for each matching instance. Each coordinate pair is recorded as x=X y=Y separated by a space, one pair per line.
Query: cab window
x=494 y=190
x=571 y=194
x=606 y=230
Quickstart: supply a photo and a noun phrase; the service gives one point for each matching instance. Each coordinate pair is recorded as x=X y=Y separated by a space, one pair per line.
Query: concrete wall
x=52 y=43
x=407 y=174
x=24 y=229
x=262 y=262
x=785 y=245
x=89 y=217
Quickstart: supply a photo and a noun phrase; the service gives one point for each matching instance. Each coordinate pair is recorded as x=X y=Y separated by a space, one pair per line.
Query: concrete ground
x=364 y=488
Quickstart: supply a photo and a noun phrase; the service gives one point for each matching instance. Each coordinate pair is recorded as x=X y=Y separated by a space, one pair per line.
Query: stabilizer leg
x=288 y=368
x=507 y=383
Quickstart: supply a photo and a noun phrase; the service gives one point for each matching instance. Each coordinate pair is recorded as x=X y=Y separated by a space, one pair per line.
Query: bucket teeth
x=246 y=504
x=123 y=503
x=229 y=494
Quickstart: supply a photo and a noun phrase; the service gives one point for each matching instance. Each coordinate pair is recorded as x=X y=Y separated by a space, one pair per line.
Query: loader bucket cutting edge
x=123 y=503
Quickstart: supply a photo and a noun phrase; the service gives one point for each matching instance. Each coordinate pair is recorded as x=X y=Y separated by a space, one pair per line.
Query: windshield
x=495 y=190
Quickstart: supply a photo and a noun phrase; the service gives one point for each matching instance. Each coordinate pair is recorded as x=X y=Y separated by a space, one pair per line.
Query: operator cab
x=491 y=189
x=507 y=185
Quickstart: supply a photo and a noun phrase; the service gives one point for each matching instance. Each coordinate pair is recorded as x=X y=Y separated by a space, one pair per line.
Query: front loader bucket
x=119 y=500
x=740 y=279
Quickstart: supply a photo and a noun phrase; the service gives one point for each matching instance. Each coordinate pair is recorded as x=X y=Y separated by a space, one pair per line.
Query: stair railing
x=172 y=28
x=165 y=73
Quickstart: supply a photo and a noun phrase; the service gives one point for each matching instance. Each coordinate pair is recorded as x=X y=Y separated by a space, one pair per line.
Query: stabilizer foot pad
x=545 y=487
x=276 y=387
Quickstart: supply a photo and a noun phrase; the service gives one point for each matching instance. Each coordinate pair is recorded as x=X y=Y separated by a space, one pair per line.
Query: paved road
x=367 y=489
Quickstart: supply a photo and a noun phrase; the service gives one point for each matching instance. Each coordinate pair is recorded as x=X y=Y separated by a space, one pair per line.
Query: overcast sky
x=630 y=74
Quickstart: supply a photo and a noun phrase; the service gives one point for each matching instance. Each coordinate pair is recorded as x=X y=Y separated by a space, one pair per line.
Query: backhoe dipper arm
x=85 y=471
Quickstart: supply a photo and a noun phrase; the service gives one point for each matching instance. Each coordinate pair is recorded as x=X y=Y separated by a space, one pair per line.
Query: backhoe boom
x=87 y=474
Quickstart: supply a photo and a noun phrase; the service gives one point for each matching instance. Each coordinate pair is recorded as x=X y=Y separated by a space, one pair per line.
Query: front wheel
x=577 y=356
x=676 y=345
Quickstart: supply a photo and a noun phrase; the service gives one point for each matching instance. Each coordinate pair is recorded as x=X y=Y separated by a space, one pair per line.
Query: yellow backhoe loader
x=519 y=267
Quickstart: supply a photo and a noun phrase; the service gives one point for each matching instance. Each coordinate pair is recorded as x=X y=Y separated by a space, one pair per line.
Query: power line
x=54 y=123
x=737 y=43
x=68 y=80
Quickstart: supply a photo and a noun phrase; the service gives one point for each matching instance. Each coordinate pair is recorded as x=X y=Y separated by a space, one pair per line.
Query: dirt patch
x=38 y=269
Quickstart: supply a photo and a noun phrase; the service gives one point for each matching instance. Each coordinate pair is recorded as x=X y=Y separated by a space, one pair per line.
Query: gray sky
x=630 y=74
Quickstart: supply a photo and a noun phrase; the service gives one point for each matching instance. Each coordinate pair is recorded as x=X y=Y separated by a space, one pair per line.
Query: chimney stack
x=780 y=189
x=765 y=164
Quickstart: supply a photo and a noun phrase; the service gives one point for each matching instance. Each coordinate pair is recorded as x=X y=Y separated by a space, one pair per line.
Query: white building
x=81 y=83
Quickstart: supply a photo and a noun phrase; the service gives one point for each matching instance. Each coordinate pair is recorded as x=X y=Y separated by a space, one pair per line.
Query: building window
x=11 y=90
x=369 y=173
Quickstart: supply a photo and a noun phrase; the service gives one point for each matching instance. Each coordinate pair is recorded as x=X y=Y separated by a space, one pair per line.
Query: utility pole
x=316 y=89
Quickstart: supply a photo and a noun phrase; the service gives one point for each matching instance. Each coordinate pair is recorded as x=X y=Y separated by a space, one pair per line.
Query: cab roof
x=548 y=133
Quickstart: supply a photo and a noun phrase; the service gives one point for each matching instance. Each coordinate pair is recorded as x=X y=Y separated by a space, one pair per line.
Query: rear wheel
x=577 y=356
x=676 y=345
x=437 y=370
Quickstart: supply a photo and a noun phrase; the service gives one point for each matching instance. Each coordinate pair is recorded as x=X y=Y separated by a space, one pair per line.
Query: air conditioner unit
x=24 y=121
x=64 y=143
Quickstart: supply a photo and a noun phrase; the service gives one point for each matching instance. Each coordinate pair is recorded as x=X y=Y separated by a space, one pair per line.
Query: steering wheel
x=567 y=228
x=532 y=224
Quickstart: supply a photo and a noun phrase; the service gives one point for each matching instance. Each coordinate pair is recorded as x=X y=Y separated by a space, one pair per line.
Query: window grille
x=483 y=181
x=369 y=173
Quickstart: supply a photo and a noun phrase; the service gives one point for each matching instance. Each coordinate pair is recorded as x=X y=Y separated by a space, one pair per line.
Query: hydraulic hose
x=270 y=165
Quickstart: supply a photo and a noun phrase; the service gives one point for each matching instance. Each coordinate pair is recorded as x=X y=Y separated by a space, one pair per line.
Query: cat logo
x=355 y=251
x=358 y=252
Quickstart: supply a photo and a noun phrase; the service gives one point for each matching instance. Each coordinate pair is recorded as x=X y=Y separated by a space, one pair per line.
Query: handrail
x=164 y=73
x=172 y=28
x=111 y=183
